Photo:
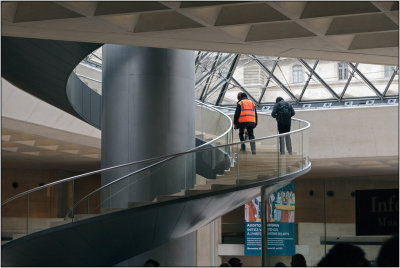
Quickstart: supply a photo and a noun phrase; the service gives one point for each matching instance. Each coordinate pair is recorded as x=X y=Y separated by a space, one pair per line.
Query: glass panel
x=199 y=88
x=394 y=87
x=358 y=88
x=378 y=75
x=316 y=91
x=283 y=71
x=190 y=174
x=261 y=166
x=213 y=97
x=273 y=91
x=219 y=77
x=230 y=97
x=250 y=75
x=13 y=219
x=333 y=73
x=210 y=125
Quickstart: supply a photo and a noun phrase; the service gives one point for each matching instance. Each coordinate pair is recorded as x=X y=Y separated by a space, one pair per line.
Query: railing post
x=237 y=164
x=27 y=214
x=109 y=196
x=73 y=197
x=302 y=149
x=264 y=233
x=278 y=154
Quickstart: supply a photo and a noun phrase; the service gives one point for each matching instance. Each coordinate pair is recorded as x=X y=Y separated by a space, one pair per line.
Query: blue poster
x=280 y=224
x=252 y=214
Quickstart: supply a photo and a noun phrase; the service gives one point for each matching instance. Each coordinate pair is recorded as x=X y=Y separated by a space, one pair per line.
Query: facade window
x=253 y=75
x=343 y=71
x=297 y=74
x=389 y=70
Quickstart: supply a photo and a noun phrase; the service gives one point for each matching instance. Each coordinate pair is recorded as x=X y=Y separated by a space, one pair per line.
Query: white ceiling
x=358 y=31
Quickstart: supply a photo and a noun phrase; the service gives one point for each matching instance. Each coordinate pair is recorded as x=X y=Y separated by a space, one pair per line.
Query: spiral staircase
x=93 y=232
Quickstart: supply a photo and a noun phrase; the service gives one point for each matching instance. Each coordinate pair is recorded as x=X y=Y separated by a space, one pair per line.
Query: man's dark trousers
x=250 y=132
x=283 y=128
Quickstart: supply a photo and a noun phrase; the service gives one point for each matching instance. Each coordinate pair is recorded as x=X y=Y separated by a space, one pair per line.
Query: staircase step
x=217 y=187
x=195 y=192
x=16 y=236
x=139 y=204
x=202 y=187
x=110 y=210
x=79 y=217
x=162 y=198
x=61 y=222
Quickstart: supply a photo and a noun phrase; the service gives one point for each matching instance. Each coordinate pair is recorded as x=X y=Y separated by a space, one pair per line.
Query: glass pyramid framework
x=300 y=81
x=220 y=76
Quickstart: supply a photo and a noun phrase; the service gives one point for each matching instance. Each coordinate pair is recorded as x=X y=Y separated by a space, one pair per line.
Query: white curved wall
x=352 y=132
x=19 y=105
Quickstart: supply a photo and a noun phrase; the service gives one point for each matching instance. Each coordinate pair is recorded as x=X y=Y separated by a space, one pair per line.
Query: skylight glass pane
x=357 y=88
x=231 y=95
x=199 y=89
x=250 y=75
x=316 y=91
x=378 y=75
x=220 y=75
x=334 y=74
x=394 y=87
x=273 y=92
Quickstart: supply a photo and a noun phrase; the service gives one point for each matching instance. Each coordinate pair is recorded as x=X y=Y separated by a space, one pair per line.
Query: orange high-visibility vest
x=247 y=111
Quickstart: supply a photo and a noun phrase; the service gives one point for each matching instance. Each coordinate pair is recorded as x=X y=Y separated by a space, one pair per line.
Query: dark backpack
x=283 y=112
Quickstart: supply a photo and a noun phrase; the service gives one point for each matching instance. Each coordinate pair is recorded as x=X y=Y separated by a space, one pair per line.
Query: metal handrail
x=122 y=165
x=308 y=125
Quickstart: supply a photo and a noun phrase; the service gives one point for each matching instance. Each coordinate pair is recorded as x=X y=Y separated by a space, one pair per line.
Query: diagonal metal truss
x=227 y=79
x=370 y=85
x=208 y=68
x=264 y=89
x=277 y=81
x=348 y=82
x=308 y=81
x=320 y=79
x=396 y=72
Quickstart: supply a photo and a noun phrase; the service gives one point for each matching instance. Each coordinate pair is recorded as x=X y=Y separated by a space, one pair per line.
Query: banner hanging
x=280 y=224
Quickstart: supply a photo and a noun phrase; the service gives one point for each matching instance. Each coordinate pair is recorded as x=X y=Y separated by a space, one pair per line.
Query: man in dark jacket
x=283 y=111
x=245 y=118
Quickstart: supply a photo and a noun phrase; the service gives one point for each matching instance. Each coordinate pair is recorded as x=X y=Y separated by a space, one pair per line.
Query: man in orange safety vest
x=245 y=118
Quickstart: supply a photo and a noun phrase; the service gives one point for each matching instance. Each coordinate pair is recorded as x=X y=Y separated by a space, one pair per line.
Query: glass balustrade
x=220 y=165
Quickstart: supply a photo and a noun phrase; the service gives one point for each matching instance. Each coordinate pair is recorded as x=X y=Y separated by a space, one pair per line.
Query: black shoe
x=243 y=150
x=253 y=152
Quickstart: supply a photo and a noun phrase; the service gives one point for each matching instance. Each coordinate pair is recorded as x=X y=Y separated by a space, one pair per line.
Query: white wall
x=21 y=106
x=352 y=132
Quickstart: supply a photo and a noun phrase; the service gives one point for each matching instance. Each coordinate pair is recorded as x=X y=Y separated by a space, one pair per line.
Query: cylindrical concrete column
x=147 y=111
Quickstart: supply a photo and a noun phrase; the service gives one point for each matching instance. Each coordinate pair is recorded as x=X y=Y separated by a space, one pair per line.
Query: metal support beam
x=243 y=89
x=215 y=88
x=370 y=85
x=197 y=59
x=209 y=78
x=228 y=79
x=268 y=80
x=219 y=63
x=277 y=81
x=307 y=82
x=347 y=83
x=320 y=80
x=264 y=237
x=390 y=81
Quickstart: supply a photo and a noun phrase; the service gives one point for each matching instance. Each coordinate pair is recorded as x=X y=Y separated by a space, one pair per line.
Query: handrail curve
x=125 y=164
x=308 y=125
